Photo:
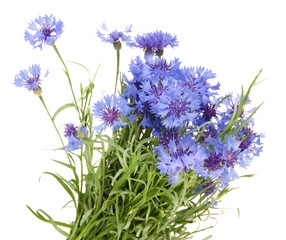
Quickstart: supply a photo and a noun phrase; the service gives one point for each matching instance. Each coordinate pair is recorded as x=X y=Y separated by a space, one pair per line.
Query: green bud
x=80 y=135
x=38 y=91
x=159 y=53
x=117 y=45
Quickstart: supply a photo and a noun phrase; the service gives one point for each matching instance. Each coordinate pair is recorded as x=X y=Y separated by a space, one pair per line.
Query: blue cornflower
x=73 y=144
x=115 y=37
x=71 y=132
x=195 y=79
x=222 y=160
x=166 y=135
x=44 y=30
x=155 y=42
x=110 y=110
x=176 y=106
x=250 y=145
x=178 y=155
x=30 y=79
x=161 y=69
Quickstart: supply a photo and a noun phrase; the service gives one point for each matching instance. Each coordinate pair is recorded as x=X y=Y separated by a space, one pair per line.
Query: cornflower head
x=176 y=106
x=110 y=110
x=30 y=79
x=196 y=79
x=178 y=156
x=115 y=37
x=250 y=144
x=160 y=69
x=43 y=30
x=74 y=136
x=155 y=42
x=222 y=158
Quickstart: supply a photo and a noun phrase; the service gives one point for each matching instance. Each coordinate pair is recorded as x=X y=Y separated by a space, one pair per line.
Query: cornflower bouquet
x=174 y=148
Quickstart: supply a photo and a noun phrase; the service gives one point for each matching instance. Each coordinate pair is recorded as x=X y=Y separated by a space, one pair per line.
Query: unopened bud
x=80 y=135
x=159 y=52
x=38 y=91
x=117 y=45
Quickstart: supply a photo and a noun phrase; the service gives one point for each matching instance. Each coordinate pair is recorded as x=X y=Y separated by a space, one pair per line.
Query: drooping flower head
x=43 y=30
x=74 y=136
x=110 y=110
x=30 y=79
x=115 y=37
x=155 y=42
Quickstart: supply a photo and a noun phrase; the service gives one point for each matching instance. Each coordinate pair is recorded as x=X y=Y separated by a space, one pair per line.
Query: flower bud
x=80 y=135
x=38 y=91
x=159 y=52
x=117 y=45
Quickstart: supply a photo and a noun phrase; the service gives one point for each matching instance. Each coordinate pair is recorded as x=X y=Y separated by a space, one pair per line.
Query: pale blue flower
x=43 y=30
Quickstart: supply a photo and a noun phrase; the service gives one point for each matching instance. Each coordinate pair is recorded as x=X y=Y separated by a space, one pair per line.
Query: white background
x=233 y=38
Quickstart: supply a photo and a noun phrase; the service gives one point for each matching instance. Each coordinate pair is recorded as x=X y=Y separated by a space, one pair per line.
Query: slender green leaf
x=55 y=224
x=65 y=106
x=65 y=186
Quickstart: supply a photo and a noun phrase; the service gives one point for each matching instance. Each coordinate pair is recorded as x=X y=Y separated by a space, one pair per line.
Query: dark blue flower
x=209 y=111
x=155 y=42
x=70 y=130
x=30 y=79
x=44 y=30
x=110 y=110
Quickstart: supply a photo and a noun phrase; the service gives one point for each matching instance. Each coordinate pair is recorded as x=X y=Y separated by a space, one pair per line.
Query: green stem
x=70 y=83
x=179 y=204
x=117 y=69
x=43 y=102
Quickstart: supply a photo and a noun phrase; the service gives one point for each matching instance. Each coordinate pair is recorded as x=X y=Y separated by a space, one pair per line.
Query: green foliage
x=124 y=196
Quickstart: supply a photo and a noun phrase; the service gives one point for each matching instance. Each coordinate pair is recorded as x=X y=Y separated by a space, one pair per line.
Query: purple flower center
x=214 y=162
x=70 y=130
x=47 y=31
x=167 y=136
x=33 y=82
x=231 y=159
x=209 y=111
x=157 y=91
x=177 y=107
x=110 y=115
x=161 y=65
x=249 y=136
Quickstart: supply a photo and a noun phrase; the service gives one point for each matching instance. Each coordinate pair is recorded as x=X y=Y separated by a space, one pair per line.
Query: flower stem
x=117 y=69
x=183 y=193
x=43 y=102
x=68 y=76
